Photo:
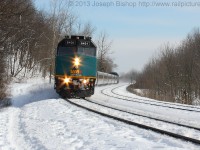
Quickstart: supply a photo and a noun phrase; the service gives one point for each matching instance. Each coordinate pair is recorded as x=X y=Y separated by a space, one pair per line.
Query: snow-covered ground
x=39 y=119
x=159 y=110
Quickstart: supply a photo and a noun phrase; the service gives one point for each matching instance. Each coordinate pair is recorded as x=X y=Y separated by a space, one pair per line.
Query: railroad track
x=146 y=127
x=142 y=101
x=145 y=116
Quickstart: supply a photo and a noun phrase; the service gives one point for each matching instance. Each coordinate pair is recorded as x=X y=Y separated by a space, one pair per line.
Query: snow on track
x=174 y=115
x=192 y=133
x=39 y=119
x=122 y=92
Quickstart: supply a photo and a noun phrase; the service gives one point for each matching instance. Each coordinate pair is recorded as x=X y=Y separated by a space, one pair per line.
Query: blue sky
x=137 y=32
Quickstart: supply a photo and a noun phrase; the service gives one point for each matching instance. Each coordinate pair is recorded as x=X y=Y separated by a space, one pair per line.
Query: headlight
x=77 y=61
x=67 y=80
x=85 y=81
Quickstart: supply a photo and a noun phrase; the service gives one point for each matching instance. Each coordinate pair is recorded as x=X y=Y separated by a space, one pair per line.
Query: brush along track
x=137 y=124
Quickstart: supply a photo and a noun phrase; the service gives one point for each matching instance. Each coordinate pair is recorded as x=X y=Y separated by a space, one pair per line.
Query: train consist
x=76 y=68
x=107 y=78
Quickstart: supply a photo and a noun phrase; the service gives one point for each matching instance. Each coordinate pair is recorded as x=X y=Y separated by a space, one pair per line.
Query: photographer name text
x=82 y=3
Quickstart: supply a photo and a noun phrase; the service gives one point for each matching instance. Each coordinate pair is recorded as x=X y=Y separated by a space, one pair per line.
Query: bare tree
x=10 y=20
x=174 y=75
x=104 y=49
x=3 y=76
x=87 y=30
x=130 y=76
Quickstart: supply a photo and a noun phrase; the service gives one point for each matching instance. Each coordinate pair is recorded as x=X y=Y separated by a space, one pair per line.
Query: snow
x=39 y=119
x=142 y=120
x=159 y=110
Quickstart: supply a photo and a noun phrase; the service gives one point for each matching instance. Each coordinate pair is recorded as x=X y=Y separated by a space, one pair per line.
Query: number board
x=84 y=43
x=70 y=42
x=75 y=72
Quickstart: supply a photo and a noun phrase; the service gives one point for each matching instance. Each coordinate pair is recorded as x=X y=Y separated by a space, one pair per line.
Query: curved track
x=138 y=124
x=193 y=140
x=153 y=118
x=138 y=100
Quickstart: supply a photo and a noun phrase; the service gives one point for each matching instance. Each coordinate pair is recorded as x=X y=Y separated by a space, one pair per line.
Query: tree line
x=28 y=37
x=173 y=75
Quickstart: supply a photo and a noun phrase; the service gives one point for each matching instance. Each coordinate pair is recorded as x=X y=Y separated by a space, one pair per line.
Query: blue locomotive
x=76 y=68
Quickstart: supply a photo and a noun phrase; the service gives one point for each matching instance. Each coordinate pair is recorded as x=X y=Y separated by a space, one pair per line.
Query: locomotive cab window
x=87 y=51
x=66 y=51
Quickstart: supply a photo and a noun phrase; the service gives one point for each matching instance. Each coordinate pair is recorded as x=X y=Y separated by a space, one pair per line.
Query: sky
x=137 y=28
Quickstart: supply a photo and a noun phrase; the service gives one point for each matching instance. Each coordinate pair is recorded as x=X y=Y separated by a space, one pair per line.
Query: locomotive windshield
x=66 y=51
x=89 y=51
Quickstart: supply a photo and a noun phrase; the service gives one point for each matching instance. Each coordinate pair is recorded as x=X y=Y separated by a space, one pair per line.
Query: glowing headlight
x=85 y=81
x=66 y=80
x=77 y=61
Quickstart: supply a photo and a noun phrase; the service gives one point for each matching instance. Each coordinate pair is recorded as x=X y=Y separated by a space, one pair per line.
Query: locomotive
x=76 y=68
